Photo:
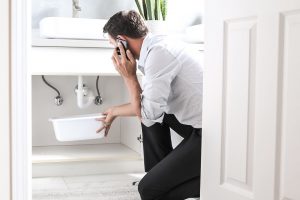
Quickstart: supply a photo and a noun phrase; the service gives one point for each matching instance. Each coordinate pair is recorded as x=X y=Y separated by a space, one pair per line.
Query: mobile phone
x=125 y=46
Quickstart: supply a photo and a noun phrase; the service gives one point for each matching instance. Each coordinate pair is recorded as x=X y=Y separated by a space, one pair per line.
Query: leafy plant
x=152 y=9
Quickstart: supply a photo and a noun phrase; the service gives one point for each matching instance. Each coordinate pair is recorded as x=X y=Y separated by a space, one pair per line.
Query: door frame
x=21 y=100
x=21 y=107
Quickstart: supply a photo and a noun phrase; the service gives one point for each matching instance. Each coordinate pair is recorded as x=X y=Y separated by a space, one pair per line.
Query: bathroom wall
x=180 y=13
x=113 y=92
x=90 y=8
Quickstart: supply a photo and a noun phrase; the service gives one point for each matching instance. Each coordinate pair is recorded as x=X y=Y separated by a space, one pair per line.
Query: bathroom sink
x=72 y=28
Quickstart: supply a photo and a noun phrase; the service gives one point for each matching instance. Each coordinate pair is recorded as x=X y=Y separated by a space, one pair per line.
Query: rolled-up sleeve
x=161 y=67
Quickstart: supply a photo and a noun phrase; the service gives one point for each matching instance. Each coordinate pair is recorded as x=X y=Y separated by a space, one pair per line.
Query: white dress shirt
x=172 y=81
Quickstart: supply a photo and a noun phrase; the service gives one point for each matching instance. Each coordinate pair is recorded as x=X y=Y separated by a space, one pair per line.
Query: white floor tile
x=50 y=183
x=104 y=187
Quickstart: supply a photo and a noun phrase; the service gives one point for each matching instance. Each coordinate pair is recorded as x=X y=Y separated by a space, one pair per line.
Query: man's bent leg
x=181 y=168
x=156 y=144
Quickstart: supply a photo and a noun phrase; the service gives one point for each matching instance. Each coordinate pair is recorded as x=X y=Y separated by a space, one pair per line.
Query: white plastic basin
x=72 y=28
x=80 y=127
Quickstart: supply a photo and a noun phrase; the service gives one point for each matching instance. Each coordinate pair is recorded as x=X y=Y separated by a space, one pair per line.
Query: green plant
x=152 y=9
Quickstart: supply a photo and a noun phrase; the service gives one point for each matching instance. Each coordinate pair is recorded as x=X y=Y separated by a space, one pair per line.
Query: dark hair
x=129 y=23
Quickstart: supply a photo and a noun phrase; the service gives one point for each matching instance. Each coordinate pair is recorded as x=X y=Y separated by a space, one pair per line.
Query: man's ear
x=122 y=37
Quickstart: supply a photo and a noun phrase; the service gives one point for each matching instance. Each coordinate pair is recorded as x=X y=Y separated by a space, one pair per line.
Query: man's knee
x=141 y=189
x=145 y=190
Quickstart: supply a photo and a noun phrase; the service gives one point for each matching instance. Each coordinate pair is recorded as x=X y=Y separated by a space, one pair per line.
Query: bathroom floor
x=104 y=187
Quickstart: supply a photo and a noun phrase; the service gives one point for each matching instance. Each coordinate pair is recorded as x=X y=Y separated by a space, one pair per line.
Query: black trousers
x=172 y=173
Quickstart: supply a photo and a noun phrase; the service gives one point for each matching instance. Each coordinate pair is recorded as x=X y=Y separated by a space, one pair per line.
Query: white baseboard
x=87 y=168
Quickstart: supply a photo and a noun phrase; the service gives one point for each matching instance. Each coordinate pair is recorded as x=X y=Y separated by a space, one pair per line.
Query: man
x=170 y=97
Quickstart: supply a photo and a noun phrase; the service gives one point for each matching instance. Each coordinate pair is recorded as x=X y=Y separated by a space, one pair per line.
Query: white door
x=251 y=109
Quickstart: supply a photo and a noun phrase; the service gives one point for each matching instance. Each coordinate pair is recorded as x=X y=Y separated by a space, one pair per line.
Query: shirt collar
x=144 y=50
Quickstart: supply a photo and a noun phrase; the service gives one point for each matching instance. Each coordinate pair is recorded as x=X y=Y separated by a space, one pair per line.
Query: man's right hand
x=107 y=120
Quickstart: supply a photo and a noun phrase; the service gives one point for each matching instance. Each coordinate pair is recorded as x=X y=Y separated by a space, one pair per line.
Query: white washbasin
x=72 y=28
x=79 y=127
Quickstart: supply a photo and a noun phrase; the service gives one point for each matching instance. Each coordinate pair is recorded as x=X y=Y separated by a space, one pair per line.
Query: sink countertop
x=37 y=41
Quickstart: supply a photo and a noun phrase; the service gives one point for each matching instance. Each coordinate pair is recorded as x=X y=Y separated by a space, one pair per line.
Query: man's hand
x=125 y=67
x=107 y=121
